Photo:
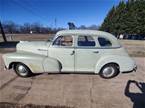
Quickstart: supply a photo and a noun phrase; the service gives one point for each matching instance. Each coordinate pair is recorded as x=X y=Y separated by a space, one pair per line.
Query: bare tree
x=10 y=27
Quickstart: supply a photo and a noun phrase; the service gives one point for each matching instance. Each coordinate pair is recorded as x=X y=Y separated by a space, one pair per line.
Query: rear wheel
x=109 y=71
x=22 y=70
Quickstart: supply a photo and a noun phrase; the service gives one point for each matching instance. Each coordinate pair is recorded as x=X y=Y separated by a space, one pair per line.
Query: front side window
x=63 y=41
x=104 y=42
x=86 y=41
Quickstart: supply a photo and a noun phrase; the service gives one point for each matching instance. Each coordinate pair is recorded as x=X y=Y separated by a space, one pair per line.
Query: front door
x=62 y=49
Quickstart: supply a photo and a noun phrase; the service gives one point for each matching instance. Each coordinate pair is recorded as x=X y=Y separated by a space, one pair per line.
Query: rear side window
x=86 y=41
x=104 y=42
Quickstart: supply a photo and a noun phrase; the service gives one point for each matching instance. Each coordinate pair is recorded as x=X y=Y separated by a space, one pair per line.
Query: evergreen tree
x=126 y=18
x=108 y=24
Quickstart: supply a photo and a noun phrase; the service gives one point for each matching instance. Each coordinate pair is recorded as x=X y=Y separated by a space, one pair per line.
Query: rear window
x=104 y=42
x=86 y=41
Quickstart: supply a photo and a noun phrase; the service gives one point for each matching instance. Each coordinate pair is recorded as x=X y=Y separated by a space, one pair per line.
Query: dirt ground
x=26 y=37
x=75 y=90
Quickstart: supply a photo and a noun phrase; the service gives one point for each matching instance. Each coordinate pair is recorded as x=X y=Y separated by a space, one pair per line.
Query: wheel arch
x=112 y=63
x=11 y=65
x=99 y=67
x=107 y=74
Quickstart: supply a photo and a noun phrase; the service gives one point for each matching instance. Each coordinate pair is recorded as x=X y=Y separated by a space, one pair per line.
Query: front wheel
x=22 y=70
x=109 y=71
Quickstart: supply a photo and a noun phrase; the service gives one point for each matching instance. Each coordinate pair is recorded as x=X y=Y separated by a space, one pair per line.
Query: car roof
x=83 y=32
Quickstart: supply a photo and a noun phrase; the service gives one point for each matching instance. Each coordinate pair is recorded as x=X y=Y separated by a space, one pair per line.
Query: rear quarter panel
x=125 y=63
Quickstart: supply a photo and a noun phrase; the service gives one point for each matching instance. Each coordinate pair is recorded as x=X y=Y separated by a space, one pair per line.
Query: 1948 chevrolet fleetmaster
x=83 y=51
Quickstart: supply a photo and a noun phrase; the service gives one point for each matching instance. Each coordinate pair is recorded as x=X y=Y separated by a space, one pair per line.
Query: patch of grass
x=133 y=42
x=7 y=50
x=137 y=54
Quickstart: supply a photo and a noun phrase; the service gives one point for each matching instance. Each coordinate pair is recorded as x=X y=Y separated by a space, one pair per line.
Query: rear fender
x=125 y=63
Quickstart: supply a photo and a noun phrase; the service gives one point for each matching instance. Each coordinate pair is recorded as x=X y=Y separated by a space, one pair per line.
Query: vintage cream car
x=77 y=51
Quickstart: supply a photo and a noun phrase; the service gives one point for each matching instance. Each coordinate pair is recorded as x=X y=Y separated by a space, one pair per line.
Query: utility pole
x=55 y=21
x=2 y=31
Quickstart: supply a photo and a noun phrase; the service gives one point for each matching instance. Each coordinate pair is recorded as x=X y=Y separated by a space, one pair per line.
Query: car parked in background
x=134 y=37
x=77 y=51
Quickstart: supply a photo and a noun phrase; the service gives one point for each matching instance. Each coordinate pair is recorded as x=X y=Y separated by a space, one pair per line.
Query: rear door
x=86 y=54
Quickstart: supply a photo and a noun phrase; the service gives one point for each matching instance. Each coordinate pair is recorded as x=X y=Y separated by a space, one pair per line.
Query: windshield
x=50 y=38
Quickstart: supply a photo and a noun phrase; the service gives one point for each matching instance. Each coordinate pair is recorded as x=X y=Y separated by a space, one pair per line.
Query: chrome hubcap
x=108 y=71
x=22 y=70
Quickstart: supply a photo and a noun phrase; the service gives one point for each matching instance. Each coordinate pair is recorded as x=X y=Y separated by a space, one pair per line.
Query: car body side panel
x=85 y=59
x=36 y=63
x=64 y=56
x=125 y=63
x=51 y=65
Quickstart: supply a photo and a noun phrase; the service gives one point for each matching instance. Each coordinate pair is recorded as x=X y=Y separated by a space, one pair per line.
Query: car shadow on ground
x=16 y=105
x=67 y=73
x=138 y=99
x=62 y=73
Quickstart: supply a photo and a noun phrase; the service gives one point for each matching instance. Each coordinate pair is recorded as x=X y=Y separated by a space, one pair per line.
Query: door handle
x=73 y=52
x=42 y=49
x=95 y=51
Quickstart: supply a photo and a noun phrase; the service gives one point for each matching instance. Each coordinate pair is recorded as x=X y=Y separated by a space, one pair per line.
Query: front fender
x=125 y=62
x=33 y=61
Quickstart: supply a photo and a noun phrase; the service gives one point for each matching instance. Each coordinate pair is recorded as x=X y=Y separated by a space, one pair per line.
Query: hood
x=37 y=47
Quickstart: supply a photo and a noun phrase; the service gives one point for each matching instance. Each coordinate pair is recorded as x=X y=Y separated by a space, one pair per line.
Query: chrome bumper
x=134 y=70
x=5 y=68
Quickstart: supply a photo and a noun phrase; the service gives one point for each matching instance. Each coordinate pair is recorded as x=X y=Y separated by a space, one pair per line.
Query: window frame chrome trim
x=57 y=46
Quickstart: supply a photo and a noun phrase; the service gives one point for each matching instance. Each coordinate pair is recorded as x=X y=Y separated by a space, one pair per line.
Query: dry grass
x=135 y=48
x=27 y=37
x=6 y=50
x=133 y=42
